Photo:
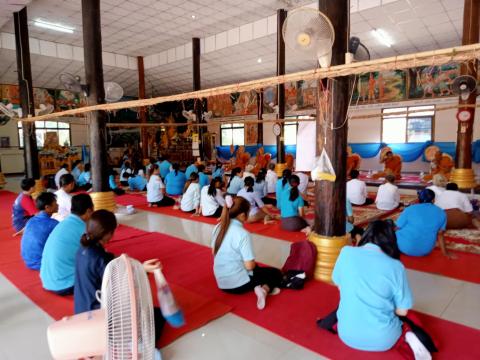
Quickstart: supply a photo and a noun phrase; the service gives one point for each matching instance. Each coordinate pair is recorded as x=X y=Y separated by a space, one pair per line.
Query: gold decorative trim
x=104 y=200
x=38 y=188
x=279 y=169
x=328 y=249
x=464 y=178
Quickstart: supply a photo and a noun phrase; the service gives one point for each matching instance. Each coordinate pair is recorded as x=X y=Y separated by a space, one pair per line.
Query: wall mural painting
x=385 y=86
x=43 y=96
x=10 y=94
x=432 y=81
x=244 y=103
x=269 y=99
x=66 y=100
x=300 y=95
x=251 y=134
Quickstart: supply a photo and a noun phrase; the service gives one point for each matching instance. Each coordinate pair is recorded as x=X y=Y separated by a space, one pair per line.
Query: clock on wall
x=277 y=129
x=464 y=115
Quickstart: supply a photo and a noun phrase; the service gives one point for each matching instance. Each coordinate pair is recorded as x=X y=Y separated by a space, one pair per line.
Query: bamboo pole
x=427 y=58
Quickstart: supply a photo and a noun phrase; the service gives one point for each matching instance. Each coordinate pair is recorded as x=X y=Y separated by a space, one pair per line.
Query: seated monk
x=440 y=164
x=353 y=161
x=289 y=159
x=262 y=160
x=242 y=158
x=393 y=165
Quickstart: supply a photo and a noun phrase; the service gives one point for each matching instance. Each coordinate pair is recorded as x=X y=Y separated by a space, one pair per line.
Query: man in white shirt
x=458 y=208
x=304 y=179
x=388 y=196
x=439 y=183
x=271 y=179
x=357 y=190
x=64 y=199
x=63 y=170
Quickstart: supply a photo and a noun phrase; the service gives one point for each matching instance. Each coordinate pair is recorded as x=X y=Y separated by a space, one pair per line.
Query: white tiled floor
x=229 y=337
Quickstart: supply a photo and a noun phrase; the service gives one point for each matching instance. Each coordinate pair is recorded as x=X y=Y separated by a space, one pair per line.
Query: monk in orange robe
x=262 y=160
x=441 y=164
x=392 y=166
x=242 y=158
x=353 y=161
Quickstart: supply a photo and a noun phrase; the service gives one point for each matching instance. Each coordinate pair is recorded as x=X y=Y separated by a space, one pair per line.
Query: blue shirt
x=34 y=239
x=164 y=168
x=76 y=173
x=260 y=188
x=236 y=184
x=349 y=212
x=90 y=264
x=228 y=264
x=203 y=180
x=84 y=178
x=279 y=190
x=137 y=183
x=58 y=262
x=191 y=169
x=174 y=183
x=372 y=286
x=290 y=208
x=419 y=225
x=218 y=173
x=111 y=182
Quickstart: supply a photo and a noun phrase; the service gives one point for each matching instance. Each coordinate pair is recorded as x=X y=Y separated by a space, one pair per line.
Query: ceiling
x=8 y=7
x=150 y=27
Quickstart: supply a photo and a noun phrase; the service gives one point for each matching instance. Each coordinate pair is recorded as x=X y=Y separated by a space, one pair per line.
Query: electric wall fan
x=358 y=49
x=464 y=85
x=310 y=34
x=7 y=113
x=113 y=91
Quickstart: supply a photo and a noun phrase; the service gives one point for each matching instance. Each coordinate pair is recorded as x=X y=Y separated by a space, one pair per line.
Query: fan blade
x=113 y=91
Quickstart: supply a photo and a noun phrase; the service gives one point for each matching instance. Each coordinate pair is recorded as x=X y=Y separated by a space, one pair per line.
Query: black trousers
x=271 y=277
x=159 y=322
x=64 y=292
x=217 y=213
x=166 y=201
x=118 y=191
x=269 y=201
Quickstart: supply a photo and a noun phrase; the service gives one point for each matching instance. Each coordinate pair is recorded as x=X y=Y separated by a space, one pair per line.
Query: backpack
x=302 y=258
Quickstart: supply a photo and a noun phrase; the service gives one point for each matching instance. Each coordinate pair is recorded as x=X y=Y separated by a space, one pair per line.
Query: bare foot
x=307 y=230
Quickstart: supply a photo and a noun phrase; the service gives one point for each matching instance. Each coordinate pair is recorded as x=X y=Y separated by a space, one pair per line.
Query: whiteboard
x=306 y=145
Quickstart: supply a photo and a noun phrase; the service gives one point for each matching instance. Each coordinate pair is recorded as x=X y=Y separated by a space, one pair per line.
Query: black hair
x=285 y=176
x=153 y=168
x=294 y=193
x=390 y=178
x=249 y=183
x=201 y=168
x=127 y=164
x=81 y=203
x=382 y=234
x=212 y=189
x=193 y=177
x=87 y=167
x=75 y=163
x=27 y=183
x=101 y=223
x=45 y=199
x=234 y=173
x=271 y=166
x=175 y=168
x=354 y=174
x=64 y=166
x=127 y=175
x=260 y=176
x=218 y=165
x=152 y=160
x=113 y=172
x=66 y=179
x=426 y=196
x=452 y=186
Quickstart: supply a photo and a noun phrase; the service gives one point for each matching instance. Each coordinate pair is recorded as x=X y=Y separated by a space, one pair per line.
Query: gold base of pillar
x=104 y=200
x=464 y=178
x=279 y=169
x=2 y=180
x=38 y=188
x=328 y=249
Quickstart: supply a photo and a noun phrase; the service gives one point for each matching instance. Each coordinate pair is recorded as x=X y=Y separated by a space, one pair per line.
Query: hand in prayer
x=151 y=265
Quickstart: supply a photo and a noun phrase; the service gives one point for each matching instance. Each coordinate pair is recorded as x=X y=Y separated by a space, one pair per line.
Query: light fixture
x=53 y=26
x=194 y=17
x=259 y=60
x=382 y=37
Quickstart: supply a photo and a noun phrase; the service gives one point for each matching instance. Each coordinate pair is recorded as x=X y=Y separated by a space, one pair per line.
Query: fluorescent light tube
x=382 y=37
x=52 y=26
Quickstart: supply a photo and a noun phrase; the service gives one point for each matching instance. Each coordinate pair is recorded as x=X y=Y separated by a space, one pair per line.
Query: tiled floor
x=228 y=337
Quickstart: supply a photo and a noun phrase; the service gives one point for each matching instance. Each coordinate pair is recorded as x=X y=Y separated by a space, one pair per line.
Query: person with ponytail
x=175 y=181
x=258 y=211
x=236 y=182
x=156 y=189
x=234 y=266
x=292 y=208
x=203 y=178
x=260 y=187
x=282 y=186
x=191 y=195
x=211 y=199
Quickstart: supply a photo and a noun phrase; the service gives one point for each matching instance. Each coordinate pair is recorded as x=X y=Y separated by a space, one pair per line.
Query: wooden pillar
x=260 y=117
x=92 y=44
x=197 y=86
x=330 y=197
x=142 y=112
x=463 y=173
x=281 y=16
x=24 y=70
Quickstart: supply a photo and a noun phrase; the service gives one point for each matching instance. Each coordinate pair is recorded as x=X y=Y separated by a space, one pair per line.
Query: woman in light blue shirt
x=203 y=179
x=175 y=181
x=282 y=185
x=236 y=181
x=218 y=171
x=76 y=169
x=85 y=179
x=234 y=265
x=260 y=187
x=292 y=208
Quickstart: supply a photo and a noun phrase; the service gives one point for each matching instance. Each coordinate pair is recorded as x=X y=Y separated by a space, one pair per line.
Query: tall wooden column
x=463 y=173
x=330 y=197
x=197 y=85
x=92 y=44
x=281 y=16
x=260 y=117
x=24 y=70
x=142 y=112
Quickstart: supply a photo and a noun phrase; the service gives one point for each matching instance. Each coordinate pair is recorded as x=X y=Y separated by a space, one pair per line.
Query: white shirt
x=388 y=197
x=64 y=201
x=260 y=188
x=247 y=174
x=191 y=198
x=122 y=174
x=437 y=190
x=304 y=179
x=451 y=199
x=210 y=203
x=154 y=189
x=357 y=191
x=254 y=200
x=271 y=179
x=58 y=175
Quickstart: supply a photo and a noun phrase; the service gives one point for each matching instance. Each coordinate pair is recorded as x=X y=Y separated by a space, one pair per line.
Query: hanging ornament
x=323 y=168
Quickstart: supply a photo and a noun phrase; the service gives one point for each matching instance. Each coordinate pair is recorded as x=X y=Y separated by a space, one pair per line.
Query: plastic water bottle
x=170 y=310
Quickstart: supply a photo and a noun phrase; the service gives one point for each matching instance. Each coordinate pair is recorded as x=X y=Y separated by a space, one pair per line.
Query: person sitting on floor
x=203 y=179
x=156 y=190
x=357 y=190
x=137 y=182
x=388 y=196
x=260 y=187
x=439 y=182
x=57 y=270
x=282 y=186
x=258 y=211
x=458 y=208
x=271 y=178
x=191 y=169
x=304 y=180
x=38 y=229
x=91 y=260
x=218 y=171
x=77 y=168
x=236 y=182
x=190 y=202
x=62 y=171
x=24 y=206
x=248 y=171
x=420 y=226
x=127 y=169
x=64 y=199
x=355 y=231
x=164 y=166
x=175 y=181
x=234 y=266
x=292 y=208
x=148 y=167
x=113 y=184
x=211 y=198
x=375 y=295
x=85 y=179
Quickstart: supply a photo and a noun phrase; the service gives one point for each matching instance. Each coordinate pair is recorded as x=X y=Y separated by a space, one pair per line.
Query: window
x=291 y=129
x=414 y=124
x=42 y=127
x=232 y=134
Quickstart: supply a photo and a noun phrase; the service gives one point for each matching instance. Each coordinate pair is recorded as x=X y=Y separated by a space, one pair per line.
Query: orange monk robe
x=441 y=165
x=393 y=166
x=353 y=163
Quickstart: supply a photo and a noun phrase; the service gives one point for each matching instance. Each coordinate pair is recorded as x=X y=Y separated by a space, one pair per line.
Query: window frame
x=231 y=126
x=57 y=128
x=408 y=117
